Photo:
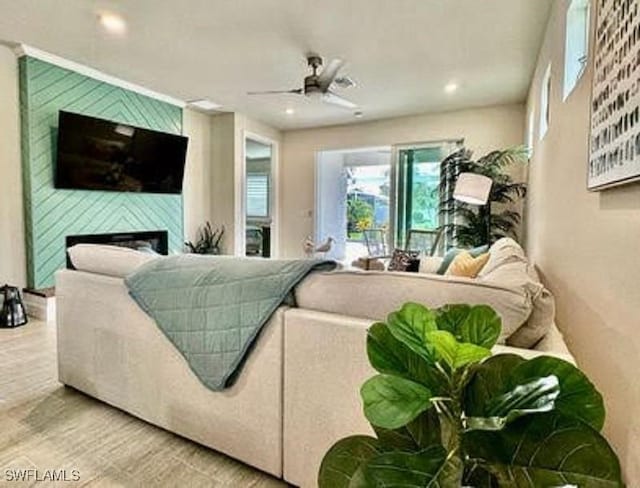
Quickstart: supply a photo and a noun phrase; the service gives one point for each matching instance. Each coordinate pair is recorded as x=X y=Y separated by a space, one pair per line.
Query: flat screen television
x=96 y=154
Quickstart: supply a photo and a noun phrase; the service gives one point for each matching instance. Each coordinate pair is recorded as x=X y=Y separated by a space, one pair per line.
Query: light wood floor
x=46 y=426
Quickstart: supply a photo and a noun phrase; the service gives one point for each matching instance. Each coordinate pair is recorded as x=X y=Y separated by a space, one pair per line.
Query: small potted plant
x=208 y=240
x=446 y=413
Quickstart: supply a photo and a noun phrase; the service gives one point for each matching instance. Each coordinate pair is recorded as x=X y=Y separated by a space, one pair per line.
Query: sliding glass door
x=418 y=188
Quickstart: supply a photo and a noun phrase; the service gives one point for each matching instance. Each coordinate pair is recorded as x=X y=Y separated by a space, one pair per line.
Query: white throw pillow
x=108 y=260
x=503 y=251
x=430 y=264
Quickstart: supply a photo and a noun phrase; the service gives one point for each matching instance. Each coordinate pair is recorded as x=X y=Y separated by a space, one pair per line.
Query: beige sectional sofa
x=298 y=392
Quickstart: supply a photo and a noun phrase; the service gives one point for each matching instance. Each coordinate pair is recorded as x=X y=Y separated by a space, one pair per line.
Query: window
x=545 y=96
x=258 y=195
x=577 y=44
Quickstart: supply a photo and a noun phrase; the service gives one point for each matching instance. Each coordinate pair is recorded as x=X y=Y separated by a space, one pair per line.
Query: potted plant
x=468 y=223
x=446 y=413
x=208 y=240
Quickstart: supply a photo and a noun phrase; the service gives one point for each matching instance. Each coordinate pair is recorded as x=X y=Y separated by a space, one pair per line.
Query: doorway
x=259 y=197
x=353 y=195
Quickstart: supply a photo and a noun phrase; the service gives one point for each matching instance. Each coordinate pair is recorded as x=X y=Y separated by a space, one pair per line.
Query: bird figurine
x=310 y=248
x=326 y=246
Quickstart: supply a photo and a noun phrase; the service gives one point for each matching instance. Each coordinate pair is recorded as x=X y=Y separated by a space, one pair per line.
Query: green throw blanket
x=213 y=308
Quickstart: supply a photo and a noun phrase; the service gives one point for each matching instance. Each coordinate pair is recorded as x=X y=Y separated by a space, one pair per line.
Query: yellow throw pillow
x=464 y=264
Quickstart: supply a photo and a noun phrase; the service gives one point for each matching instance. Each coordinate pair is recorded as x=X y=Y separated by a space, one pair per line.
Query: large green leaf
x=392 y=402
x=420 y=433
x=482 y=327
x=478 y=324
x=488 y=382
x=410 y=325
x=340 y=464
x=401 y=469
x=533 y=397
x=454 y=353
x=451 y=317
x=578 y=396
x=545 y=450
x=390 y=356
x=502 y=374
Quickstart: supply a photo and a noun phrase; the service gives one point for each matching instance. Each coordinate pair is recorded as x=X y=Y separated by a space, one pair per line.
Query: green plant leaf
x=454 y=353
x=405 y=469
x=534 y=397
x=502 y=373
x=420 y=433
x=339 y=468
x=451 y=317
x=386 y=354
x=410 y=326
x=390 y=356
x=545 y=450
x=578 y=396
x=488 y=382
x=481 y=327
x=392 y=402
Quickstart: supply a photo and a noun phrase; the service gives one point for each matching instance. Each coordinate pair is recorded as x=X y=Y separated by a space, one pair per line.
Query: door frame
x=240 y=236
x=395 y=174
x=318 y=194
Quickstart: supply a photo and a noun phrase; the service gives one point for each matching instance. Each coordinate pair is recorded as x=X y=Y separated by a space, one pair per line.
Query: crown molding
x=24 y=50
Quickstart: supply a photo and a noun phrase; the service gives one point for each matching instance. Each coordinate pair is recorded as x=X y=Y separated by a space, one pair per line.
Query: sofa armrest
x=325 y=363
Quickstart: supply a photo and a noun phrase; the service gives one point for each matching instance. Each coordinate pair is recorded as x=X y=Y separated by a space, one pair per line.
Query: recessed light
x=289 y=111
x=204 y=104
x=112 y=22
x=451 y=87
x=358 y=114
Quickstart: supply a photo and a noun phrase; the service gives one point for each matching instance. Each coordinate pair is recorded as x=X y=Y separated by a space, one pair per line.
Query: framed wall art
x=614 y=157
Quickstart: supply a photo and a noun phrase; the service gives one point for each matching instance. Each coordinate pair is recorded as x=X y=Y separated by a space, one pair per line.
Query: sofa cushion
x=503 y=251
x=373 y=295
x=108 y=260
x=520 y=274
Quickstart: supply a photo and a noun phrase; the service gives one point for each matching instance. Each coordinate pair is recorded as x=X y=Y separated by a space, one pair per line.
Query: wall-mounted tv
x=97 y=154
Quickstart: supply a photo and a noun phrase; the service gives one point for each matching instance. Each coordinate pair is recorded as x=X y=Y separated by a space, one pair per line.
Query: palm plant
x=466 y=225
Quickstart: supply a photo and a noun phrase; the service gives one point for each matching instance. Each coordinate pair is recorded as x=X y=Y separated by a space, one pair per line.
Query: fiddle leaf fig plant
x=446 y=413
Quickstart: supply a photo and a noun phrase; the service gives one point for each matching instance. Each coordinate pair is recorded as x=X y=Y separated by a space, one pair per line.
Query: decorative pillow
x=503 y=251
x=464 y=264
x=430 y=264
x=404 y=261
x=452 y=253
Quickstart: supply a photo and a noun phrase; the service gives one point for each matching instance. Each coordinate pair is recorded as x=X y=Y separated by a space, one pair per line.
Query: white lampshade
x=472 y=188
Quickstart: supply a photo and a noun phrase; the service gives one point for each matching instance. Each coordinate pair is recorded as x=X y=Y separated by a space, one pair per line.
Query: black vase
x=12 y=312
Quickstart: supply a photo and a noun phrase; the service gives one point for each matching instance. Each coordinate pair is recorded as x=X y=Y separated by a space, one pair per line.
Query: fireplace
x=157 y=240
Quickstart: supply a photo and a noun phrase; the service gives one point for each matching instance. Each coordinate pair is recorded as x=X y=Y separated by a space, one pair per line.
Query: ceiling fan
x=320 y=85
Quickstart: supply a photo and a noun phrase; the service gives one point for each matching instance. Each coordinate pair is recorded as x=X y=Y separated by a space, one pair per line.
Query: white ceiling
x=401 y=52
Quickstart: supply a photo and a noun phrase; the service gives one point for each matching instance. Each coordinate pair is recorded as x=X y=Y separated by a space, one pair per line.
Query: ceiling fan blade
x=297 y=91
x=329 y=73
x=334 y=99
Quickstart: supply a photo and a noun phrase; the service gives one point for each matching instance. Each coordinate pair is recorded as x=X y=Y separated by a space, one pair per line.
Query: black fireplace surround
x=157 y=240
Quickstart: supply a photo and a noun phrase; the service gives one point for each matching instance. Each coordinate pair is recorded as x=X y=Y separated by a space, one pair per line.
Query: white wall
x=198 y=172
x=483 y=129
x=586 y=245
x=12 y=240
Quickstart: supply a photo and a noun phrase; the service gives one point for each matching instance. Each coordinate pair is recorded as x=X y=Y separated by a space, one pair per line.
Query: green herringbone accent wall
x=53 y=214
